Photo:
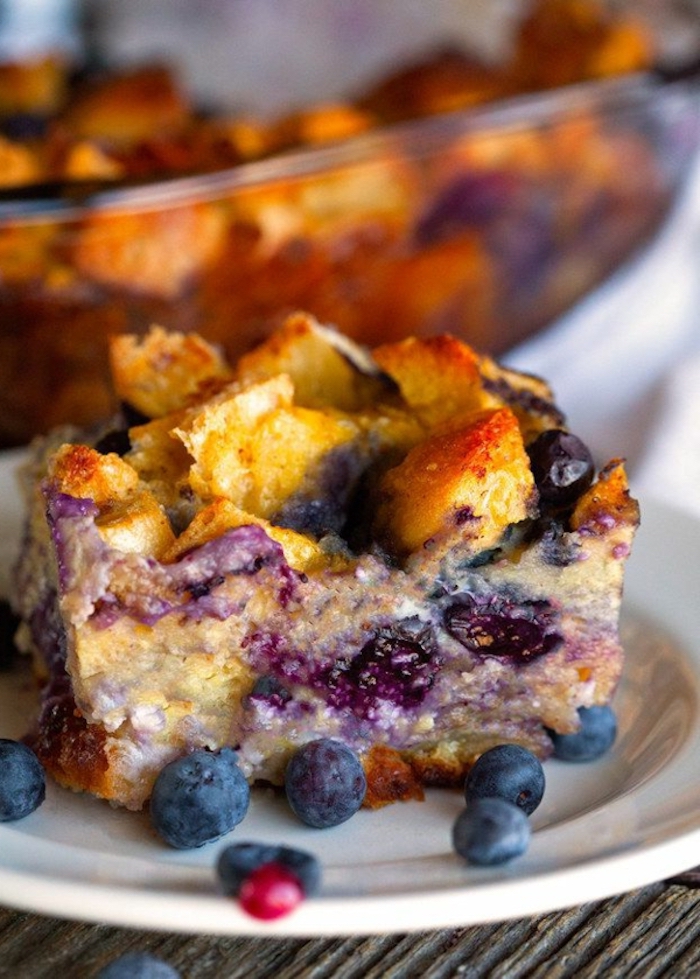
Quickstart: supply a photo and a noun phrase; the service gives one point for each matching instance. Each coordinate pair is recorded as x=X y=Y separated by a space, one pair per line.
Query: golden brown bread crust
x=73 y=751
x=456 y=473
x=390 y=778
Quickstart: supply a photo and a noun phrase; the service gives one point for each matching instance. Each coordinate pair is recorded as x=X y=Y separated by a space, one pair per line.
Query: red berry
x=270 y=891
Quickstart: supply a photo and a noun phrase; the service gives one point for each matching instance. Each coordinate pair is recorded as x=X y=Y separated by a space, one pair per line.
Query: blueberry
x=138 y=965
x=117 y=439
x=325 y=783
x=510 y=772
x=496 y=626
x=561 y=465
x=238 y=861
x=198 y=798
x=593 y=739
x=22 y=780
x=388 y=668
x=491 y=831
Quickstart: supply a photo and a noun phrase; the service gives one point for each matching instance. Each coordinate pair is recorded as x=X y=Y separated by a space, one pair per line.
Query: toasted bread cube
x=444 y=381
x=218 y=437
x=130 y=518
x=158 y=373
x=607 y=498
x=87 y=160
x=322 y=123
x=35 y=85
x=81 y=471
x=476 y=478
x=18 y=164
x=565 y=41
x=160 y=459
x=304 y=438
x=152 y=253
x=230 y=442
x=312 y=356
x=438 y=377
x=136 y=525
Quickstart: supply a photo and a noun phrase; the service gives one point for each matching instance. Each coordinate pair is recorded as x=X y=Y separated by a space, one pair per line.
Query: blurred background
x=272 y=55
x=618 y=340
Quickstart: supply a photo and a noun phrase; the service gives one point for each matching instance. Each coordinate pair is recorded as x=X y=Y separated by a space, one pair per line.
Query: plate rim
x=213 y=913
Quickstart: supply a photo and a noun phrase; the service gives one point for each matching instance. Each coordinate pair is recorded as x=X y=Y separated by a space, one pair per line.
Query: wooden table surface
x=646 y=933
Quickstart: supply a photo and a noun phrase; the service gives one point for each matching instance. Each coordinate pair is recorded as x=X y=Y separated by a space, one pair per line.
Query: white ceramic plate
x=603 y=828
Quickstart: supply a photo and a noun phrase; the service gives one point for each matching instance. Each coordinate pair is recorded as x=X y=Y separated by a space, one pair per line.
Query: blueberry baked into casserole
x=403 y=549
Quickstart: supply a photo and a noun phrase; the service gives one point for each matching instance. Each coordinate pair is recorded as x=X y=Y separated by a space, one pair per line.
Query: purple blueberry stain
x=464 y=515
x=191 y=586
x=492 y=626
x=48 y=632
x=62 y=508
x=49 y=637
x=325 y=511
x=201 y=588
x=388 y=668
x=243 y=550
x=524 y=245
x=621 y=551
x=270 y=654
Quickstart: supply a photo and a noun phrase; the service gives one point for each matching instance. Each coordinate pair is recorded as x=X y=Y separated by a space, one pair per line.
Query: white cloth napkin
x=625 y=362
x=670 y=467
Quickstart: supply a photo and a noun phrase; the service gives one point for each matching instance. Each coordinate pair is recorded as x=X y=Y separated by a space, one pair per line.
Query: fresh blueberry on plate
x=22 y=780
x=198 y=798
x=491 y=831
x=593 y=739
x=510 y=772
x=325 y=783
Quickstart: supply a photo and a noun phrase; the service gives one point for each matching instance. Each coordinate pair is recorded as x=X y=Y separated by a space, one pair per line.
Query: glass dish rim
x=70 y=201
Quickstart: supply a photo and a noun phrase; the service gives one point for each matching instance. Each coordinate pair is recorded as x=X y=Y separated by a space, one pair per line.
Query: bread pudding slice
x=316 y=541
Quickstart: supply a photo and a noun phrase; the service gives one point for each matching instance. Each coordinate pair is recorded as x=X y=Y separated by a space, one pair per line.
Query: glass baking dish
x=486 y=222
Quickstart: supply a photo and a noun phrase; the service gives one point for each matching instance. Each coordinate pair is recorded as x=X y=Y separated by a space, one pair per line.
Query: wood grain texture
x=648 y=933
